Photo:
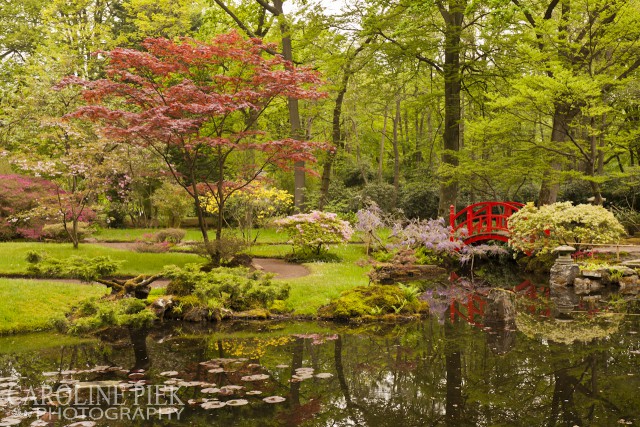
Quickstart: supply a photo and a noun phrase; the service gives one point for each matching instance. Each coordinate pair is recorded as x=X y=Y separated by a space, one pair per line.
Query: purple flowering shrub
x=312 y=233
x=434 y=243
x=369 y=221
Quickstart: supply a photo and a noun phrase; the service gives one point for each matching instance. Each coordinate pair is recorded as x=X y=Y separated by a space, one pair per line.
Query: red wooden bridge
x=483 y=221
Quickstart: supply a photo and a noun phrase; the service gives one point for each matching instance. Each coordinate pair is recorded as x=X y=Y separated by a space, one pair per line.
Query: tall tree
x=188 y=102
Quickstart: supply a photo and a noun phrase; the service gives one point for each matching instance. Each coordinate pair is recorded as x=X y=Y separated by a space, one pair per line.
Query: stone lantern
x=564 y=270
x=564 y=254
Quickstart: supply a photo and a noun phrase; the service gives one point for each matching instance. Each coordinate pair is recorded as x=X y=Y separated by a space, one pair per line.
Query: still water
x=544 y=367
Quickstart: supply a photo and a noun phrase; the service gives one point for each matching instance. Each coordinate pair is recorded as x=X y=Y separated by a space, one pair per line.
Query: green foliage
x=374 y=300
x=74 y=267
x=237 y=289
x=99 y=314
x=172 y=204
x=540 y=230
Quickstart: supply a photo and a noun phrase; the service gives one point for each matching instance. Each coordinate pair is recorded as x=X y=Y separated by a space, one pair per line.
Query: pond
x=551 y=366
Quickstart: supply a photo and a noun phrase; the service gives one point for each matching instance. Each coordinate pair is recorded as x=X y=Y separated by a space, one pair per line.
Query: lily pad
x=324 y=375
x=274 y=399
x=257 y=377
x=215 y=404
x=237 y=402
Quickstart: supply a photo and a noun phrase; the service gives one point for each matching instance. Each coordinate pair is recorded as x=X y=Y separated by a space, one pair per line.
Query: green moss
x=373 y=300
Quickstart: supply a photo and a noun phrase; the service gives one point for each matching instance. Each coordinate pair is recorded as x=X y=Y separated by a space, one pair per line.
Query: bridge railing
x=483 y=220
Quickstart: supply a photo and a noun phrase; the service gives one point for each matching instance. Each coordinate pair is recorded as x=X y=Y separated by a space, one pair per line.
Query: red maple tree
x=196 y=105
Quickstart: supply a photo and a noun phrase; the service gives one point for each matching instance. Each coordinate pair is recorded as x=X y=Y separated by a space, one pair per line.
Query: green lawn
x=326 y=281
x=28 y=305
x=13 y=257
x=32 y=305
x=265 y=235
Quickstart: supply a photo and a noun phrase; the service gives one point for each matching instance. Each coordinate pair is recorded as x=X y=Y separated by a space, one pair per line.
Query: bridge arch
x=483 y=220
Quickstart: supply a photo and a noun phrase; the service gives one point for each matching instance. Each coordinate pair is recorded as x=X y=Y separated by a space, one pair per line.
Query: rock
x=161 y=305
x=630 y=285
x=196 y=314
x=586 y=286
x=595 y=274
x=501 y=308
x=564 y=274
x=392 y=273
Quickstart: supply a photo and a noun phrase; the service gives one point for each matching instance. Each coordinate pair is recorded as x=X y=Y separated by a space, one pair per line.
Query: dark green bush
x=237 y=289
x=418 y=200
x=94 y=315
x=75 y=267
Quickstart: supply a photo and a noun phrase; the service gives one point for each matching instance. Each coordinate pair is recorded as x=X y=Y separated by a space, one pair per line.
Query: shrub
x=374 y=300
x=418 y=200
x=313 y=232
x=75 y=267
x=152 y=248
x=99 y=314
x=59 y=234
x=172 y=204
x=171 y=235
x=18 y=195
x=237 y=289
x=369 y=221
x=539 y=230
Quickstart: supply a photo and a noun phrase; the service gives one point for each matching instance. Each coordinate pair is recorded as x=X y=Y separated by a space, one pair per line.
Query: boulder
x=564 y=274
x=586 y=285
x=391 y=273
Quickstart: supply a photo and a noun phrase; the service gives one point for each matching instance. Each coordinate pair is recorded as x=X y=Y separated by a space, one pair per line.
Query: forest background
x=428 y=103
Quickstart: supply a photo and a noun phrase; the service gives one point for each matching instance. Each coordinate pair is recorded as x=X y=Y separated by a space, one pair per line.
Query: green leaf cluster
x=83 y=268
x=540 y=230
x=237 y=289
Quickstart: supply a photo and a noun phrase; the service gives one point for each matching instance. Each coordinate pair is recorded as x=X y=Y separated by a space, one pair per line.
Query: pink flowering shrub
x=28 y=204
x=18 y=195
x=313 y=232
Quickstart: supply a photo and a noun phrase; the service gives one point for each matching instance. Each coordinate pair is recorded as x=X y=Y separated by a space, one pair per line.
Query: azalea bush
x=312 y=233
x=539 y=230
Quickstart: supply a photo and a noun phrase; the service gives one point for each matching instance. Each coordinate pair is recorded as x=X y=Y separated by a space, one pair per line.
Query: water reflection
x=498 y=359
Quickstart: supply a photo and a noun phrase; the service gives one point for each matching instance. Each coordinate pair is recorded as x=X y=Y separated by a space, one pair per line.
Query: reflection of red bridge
x=483 y=221
x=472 y=311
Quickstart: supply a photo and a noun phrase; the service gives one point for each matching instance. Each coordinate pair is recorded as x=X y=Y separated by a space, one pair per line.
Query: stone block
x=564 y=274
x=586 y=286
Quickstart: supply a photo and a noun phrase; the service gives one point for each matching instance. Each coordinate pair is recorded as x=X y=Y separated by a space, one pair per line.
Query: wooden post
x=452 y=221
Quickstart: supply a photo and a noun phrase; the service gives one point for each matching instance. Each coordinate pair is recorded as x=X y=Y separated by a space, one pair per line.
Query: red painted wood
x=483 y=221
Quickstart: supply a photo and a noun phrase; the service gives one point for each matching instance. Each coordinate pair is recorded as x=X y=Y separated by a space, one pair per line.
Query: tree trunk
x=452 y=87
x=336 y=137
x=294 y=110
x=382 y=141
x=396 y=154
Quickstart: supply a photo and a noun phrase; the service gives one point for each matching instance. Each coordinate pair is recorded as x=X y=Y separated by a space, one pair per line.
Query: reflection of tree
x=139 y=342
x=454 y=399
